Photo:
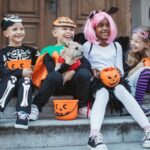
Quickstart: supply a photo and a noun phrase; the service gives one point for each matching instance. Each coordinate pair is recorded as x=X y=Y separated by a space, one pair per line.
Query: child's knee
x=145 y=72
x=119 y=88
x=13 y=79
x=102 y=91
x=54 y=77
x=84 y=74
x=25 y=80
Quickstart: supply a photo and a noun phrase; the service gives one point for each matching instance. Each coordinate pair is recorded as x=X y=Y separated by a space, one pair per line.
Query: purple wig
x=94 y=19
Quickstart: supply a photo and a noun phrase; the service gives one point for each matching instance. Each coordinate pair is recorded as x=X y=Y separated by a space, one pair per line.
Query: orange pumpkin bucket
x=110 y=77
x=66 y=109
x=19 y=64
x=146 y=61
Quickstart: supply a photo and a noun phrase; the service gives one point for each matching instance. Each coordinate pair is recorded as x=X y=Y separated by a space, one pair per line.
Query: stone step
x=116 y=146
x=51 y=132
x=48 y=110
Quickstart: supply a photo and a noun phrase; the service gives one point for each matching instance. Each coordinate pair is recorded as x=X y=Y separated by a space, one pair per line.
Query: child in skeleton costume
x=105 y=57
x=16 y=61
x=138 y=61
x=63 y=80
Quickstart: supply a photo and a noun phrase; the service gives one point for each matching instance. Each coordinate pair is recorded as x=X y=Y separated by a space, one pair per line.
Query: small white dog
x=71 y=52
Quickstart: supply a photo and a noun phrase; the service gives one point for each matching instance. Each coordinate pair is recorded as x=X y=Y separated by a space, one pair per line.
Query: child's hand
x=146 y=61
x=118 y=71
x=67 y=76
x=96 y=73
x=27 y=73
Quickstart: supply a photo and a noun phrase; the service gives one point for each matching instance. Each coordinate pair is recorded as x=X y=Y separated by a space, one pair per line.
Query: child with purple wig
x=100 y=31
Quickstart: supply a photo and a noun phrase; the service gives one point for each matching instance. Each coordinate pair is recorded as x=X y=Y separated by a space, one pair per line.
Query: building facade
x=38 y=16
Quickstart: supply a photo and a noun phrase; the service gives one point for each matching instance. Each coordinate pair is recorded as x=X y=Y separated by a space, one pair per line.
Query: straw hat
x=64 y=21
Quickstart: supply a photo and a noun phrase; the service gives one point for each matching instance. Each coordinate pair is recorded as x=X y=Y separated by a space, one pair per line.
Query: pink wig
x=94 y=19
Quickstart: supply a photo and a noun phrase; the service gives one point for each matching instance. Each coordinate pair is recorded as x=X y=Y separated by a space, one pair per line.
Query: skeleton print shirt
x=16 y=54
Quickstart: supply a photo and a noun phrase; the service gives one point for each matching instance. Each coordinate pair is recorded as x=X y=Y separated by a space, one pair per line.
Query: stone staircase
x=120 y=132
x=116 y=146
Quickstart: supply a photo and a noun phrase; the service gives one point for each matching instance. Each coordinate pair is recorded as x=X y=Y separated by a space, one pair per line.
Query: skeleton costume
x=12 y=83
x=12 y=62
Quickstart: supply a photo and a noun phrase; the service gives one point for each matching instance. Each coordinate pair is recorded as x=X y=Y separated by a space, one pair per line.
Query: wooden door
x=38 y=16
x=79 y=10
x=32 y=12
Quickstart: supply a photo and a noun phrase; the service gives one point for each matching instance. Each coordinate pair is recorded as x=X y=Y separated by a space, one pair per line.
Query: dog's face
x=72 y=50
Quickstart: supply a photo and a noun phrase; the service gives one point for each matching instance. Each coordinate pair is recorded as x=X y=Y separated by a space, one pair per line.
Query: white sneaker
x=34 y=113
x=22 y=120
x=84 y=112
x=96 y=143
x=146 y=142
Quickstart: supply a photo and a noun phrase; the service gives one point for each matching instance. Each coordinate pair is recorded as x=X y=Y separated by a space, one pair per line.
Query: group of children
x=100 y=53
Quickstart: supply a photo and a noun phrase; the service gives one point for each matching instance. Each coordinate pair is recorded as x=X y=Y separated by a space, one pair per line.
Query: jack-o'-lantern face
x=19 y=64
x=65 y=109
x=146 y=61
x=61 y=109
x=110 y=76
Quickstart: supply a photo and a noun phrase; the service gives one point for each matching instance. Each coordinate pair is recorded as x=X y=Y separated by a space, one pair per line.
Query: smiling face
x=102 y=31
x=137 y=43
x=63 y=34
x=62 y=109
x=15 y=34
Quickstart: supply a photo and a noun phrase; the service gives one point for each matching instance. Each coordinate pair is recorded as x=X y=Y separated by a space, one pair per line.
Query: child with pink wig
x=100 y=31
